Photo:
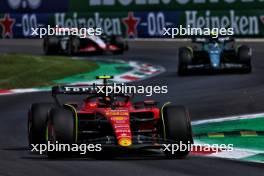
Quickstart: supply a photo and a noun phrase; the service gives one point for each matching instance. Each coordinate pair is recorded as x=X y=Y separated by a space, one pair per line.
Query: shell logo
x=118 y=118
x=124 y=142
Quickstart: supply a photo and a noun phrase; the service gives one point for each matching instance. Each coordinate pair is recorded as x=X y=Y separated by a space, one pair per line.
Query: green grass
x=256 y=142
x=25 y=71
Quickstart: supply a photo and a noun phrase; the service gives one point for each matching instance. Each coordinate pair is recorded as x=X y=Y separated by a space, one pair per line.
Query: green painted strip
x=242 y=133
x=105 y=68
x=139 y=73
x=258 y=157
x=253 y=124
x=250 y=142
x=233 y=133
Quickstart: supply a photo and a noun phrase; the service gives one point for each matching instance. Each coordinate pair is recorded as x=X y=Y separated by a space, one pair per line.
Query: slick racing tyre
x=120 y=43
x=73 y=45
x=61 y=128
x=177 y=127
x=244 y=56
x=37 y=119
x=185 y=58
x=51 y=45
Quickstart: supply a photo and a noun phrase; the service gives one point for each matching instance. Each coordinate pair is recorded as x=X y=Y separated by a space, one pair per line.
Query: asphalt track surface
x=206 y=96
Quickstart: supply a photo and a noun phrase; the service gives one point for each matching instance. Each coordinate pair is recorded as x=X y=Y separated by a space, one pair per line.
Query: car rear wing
x=199 y=40
x=226 y=39
x=81 y=89
x=73 y=89
x=92 y=89
x=205 y=39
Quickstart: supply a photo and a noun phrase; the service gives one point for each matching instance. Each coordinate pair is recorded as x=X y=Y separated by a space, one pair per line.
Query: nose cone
x=124 y=142
x=215 y=59
x=120 y=121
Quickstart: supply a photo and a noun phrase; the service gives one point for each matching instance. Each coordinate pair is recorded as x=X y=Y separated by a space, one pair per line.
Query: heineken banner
x=38 y=6
x=249 y=23
x=157 y=5
x=51 y=6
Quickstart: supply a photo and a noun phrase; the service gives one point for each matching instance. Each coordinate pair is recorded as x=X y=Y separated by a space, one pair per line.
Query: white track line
x=235 y=117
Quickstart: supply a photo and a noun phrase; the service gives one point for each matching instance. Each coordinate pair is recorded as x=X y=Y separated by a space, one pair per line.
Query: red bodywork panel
x=119 y=118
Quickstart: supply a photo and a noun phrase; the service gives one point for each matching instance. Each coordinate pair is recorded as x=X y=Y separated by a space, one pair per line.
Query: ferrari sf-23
x=114 y=121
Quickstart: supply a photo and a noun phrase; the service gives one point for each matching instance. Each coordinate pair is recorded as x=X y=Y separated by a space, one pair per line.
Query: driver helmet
x=105 y=100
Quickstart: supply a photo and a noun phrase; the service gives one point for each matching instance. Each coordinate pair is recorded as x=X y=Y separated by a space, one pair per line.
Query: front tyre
x=244 y=56
x=73 y=45
x=120 y=43
x=37 y=120
x=185 y=57
x=177 y=127
x=61 y=129
x=51 y=45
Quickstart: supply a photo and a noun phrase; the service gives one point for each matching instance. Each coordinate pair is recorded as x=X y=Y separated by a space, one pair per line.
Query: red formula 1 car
x=72 y=45
x=112 y=121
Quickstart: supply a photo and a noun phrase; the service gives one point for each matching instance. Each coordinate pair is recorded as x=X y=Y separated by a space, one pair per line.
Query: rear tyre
x=120 y=43
x=61 y=129
x=177 y=127
x=51 y=45
x=244 y=56
x=185 y=58
x=37 y=120
x=73 y=45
